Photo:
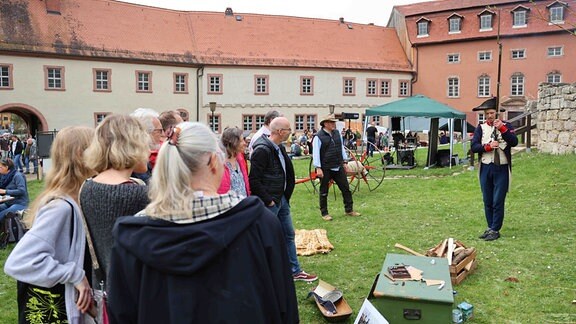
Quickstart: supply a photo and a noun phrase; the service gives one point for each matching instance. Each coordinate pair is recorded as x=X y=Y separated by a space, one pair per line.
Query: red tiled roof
x=537 y=22
x=444 y=5
x=114 y=29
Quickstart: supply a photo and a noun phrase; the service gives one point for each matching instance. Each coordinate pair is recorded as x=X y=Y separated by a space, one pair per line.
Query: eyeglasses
x=157 y=130
x=285 y=129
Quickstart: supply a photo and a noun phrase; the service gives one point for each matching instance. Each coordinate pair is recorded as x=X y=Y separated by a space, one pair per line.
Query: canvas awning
x=420 y=106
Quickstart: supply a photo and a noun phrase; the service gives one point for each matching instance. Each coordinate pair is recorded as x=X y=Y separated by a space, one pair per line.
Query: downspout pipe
x=199 y=75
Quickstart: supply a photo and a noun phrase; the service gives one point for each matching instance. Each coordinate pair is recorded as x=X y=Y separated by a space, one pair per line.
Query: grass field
x=418 y=208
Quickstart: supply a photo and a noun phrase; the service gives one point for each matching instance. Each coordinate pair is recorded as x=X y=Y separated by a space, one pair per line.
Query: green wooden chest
x=414 y=301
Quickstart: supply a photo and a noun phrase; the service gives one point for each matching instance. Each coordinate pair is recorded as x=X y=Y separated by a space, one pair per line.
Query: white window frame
x=453 y=89
x=403 y=88
x=556 y=14
x=304 y=121
x=215 y=83
x=554 y=77
x=306 y=85
x=349 y=86
x=54 y=78
x=520 y=18
x=453 y=58
x=517 y=85
x=555 y=51
x=454 y=25
x=423 y=25
x=102 y=79
x=483 y=86
x=486 y=22
x=385 y=87
x=180 y=82
x=371 y=87
x=518 y=54
x=6 y=77
x=261 y=85
x=143 y=81
x=485 y=56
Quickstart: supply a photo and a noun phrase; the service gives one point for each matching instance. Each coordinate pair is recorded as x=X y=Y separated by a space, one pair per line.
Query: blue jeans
x=282 y=211
x=494 y=181
x=18 y=162
x=27 y=161
x=5 y=210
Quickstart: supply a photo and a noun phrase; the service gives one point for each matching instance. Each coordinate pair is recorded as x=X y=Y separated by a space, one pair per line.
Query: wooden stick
x=402 y=247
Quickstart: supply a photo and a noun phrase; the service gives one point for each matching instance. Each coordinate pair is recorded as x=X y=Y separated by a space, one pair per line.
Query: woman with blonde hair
x=194 y=255
x=119 y=146
x=235 y=172
x=52 y=251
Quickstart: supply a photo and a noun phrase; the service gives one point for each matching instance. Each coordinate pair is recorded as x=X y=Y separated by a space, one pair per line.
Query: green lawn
x=418 y=208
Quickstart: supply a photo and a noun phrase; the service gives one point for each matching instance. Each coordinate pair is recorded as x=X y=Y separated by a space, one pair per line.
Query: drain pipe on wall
x=199 y=75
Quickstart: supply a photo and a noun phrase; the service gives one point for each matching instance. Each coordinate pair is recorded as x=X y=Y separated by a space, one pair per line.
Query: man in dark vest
x=330 y=161
x=493 y=141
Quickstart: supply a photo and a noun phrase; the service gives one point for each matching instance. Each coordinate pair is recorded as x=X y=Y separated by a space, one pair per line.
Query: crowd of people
x=166 y=206
x=180 y=226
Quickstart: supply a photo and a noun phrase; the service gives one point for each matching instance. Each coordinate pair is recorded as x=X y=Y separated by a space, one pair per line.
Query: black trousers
x=342 y=182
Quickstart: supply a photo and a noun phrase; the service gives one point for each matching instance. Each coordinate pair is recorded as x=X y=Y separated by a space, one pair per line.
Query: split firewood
x=469 y=265
x=440 y=251
x=463 y=255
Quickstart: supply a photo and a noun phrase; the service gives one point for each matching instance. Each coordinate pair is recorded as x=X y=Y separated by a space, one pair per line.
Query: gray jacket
x=48 y=254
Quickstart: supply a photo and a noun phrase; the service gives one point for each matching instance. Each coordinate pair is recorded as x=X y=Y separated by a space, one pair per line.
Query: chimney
x=229 y=12
x=341 y=20
x=53 y=6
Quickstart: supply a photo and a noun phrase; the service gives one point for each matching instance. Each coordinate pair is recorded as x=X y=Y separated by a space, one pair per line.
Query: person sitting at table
x=12 y=183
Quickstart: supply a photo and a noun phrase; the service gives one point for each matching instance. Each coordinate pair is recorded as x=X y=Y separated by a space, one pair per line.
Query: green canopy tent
x=421 y=106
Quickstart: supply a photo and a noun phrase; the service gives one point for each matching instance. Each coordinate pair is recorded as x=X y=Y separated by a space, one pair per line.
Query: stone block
x=564 y=138
x=564 y=114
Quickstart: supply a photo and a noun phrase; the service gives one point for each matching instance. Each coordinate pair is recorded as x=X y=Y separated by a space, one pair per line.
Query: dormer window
x=520 y=16
x=423 y=25
x=556 y=10
x=454 y=24
x=485 y=18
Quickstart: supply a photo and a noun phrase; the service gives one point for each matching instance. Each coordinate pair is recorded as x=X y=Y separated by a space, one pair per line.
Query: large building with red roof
x=67 y=62
x=453 y=46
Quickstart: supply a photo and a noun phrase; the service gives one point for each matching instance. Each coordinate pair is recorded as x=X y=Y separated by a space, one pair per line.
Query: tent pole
x=451 y=131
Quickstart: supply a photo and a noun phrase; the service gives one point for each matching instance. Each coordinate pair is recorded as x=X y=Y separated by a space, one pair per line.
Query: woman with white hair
x=197 y=256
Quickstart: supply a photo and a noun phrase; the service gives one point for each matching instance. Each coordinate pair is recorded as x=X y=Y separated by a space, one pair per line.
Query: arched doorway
x=31 y=116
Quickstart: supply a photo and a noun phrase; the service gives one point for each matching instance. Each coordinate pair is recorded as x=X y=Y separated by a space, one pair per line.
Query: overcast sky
x=358 y=11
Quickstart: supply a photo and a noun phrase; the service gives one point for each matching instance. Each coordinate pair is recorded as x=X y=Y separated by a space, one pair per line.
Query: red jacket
x=225 y=183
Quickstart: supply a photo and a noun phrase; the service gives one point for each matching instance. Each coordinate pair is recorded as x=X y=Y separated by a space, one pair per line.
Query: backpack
x=13 y=228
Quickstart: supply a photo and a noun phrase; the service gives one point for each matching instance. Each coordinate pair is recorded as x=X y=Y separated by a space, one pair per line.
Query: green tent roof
x=416 y=106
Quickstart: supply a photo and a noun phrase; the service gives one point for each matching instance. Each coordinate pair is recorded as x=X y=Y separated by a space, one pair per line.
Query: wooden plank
x=450 y=250
x=402 y=247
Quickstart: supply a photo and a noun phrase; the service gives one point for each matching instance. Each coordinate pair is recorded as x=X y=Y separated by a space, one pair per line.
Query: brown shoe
x=353 y=213
x=327 y=217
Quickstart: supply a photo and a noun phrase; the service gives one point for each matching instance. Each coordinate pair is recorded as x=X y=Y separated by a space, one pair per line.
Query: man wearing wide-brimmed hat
x=493 y=141
x=330 y=159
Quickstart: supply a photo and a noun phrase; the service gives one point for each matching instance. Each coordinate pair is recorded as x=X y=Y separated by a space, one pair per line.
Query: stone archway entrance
x=33 y=118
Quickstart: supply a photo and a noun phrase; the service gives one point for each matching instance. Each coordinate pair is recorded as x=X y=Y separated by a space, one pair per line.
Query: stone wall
x=557 y=118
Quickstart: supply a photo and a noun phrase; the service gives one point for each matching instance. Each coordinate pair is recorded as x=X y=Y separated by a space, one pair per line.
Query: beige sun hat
x=330 y=118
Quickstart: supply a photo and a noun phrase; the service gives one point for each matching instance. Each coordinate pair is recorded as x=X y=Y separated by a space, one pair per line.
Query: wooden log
x=463 y=255
x=402 y=247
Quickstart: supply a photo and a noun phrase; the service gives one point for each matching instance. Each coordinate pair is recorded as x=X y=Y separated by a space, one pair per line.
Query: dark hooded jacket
x=229 y=269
